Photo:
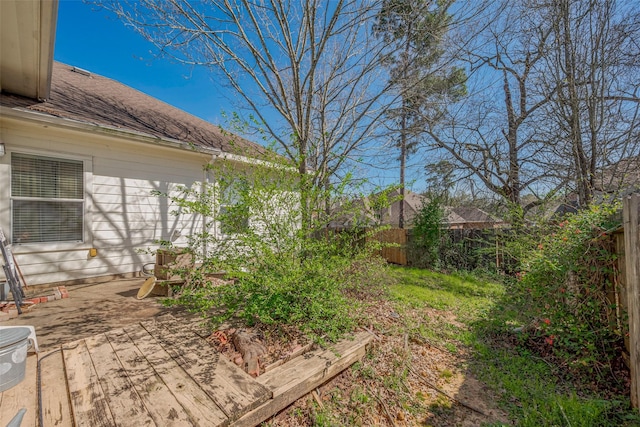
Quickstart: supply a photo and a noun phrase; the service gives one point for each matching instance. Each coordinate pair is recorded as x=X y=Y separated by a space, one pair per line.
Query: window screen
x=47 y=196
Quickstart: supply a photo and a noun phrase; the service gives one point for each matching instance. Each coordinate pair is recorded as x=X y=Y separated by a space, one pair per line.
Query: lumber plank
x=54 y=392
x=156 y=396
x=88 y=403
x=301 y=375
x=233 y=390
x=21 y=395
x=202 y=410
x=124 y=402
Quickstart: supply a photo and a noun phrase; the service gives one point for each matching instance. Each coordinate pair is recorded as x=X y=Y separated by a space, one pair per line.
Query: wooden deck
x=163 y=374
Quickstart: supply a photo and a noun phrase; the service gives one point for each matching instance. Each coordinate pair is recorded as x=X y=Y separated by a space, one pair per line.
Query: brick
x=34 y=300
x=51 y=298
x=57 y=294
x=65 y=295
x=44 y=299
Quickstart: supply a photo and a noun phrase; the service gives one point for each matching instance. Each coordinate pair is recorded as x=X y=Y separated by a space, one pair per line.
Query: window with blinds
x=47 y=199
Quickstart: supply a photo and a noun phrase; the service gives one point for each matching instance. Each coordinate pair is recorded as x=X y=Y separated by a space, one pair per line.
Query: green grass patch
x=466 y=295
x=528 y=387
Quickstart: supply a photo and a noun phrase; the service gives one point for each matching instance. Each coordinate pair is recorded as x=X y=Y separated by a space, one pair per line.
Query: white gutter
x=38 y=117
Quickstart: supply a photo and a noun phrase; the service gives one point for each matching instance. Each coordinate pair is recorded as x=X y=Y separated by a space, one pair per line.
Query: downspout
x=208 y=179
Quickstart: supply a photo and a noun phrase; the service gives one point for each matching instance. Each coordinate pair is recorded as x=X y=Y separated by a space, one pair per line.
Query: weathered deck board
x=301 y=375
x=55 y=394
x=89 y=404
x=198 y=405
x=125 y=404
x=164 y=374
x=22 y=395
x=233 y=390
x=162 y=405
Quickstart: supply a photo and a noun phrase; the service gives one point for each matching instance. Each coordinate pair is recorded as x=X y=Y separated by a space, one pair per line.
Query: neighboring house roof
x=363 y=212
x=412 y=204
x=622 y=176
x=468 y=215
x=97 y=100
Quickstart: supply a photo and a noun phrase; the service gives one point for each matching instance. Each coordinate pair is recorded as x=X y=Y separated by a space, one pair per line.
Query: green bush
x=563 y=291
x=285 y=271
x=425 y=243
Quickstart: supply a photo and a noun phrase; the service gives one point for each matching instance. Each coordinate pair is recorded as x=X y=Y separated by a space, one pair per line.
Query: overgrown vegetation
x=283 y=273
x=426 y=242
x=565 y=290
x=532 y=390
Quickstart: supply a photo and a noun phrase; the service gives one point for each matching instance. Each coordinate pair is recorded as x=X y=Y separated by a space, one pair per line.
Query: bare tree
x=553 y=100
x=308 y=70
x=593 y=62
x=493 y=135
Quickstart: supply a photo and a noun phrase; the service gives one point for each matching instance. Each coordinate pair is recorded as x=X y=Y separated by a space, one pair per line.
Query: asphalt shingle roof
x=98 y=100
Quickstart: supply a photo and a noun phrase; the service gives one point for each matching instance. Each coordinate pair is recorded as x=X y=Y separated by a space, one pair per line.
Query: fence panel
x=394 y=254
x=631 y=222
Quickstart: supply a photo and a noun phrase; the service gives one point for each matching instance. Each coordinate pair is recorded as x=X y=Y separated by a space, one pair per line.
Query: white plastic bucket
x=13 y=356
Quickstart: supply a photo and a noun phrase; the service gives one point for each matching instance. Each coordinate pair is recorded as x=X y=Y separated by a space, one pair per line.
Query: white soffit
x=27 y=36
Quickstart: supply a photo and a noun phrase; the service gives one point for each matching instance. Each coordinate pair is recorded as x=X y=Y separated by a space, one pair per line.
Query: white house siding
x=122 y=217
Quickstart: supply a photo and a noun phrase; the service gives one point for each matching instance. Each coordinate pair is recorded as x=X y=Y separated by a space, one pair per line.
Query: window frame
x=86 y=201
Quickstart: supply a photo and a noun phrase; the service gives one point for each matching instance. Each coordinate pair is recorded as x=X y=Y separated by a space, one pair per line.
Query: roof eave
x=27 y=34
x=42 y=118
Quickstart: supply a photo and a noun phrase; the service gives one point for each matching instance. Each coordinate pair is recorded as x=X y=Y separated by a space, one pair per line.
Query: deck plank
x=88 y=403
x=158 y=399
x=125 y=404
x=301 y=375
x=200 y=407
x=233 y=390
x=55 y=394
x=21 y=395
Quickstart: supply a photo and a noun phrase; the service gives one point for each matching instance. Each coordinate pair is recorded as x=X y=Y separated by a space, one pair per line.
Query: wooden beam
x=232 y=389
x=200 y=407
x=632 y=254
x=125 y=404
x=160 y=402
x=303 y=374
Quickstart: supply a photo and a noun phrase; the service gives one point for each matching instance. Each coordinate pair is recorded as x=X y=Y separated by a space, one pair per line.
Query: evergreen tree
x=422 y=78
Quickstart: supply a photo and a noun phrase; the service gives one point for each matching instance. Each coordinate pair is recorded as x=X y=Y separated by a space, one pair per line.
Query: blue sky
x=97 y=41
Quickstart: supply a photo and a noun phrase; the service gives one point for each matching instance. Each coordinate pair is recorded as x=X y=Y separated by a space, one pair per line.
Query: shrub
x=563 y=289
x=284 y=272
x=425 y=243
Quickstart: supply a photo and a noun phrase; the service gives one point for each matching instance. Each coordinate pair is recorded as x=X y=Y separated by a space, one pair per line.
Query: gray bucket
x=13 y=356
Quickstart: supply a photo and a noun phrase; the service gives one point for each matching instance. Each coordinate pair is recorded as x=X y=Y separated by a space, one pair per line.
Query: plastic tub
x=13 y=356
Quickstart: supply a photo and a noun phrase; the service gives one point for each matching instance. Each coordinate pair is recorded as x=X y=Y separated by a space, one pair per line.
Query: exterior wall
x=122 y=217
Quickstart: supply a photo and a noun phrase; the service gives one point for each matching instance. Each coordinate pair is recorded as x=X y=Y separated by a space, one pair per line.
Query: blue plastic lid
x=10 y=336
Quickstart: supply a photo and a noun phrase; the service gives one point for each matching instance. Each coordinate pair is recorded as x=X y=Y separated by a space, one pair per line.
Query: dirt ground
x=402 y=381
x=90 y=309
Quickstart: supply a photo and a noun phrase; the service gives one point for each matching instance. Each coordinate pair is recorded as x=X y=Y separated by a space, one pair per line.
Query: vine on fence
x=563 y=288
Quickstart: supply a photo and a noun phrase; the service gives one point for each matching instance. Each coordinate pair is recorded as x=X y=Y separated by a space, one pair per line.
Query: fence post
x=631 y=221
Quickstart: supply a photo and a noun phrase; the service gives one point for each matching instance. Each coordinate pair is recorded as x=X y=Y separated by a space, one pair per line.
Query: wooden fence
x=631 y=281
x=396 y=254
x=461 y=249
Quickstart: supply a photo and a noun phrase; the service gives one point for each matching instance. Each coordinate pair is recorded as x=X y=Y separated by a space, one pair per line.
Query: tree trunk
x=251 y=349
